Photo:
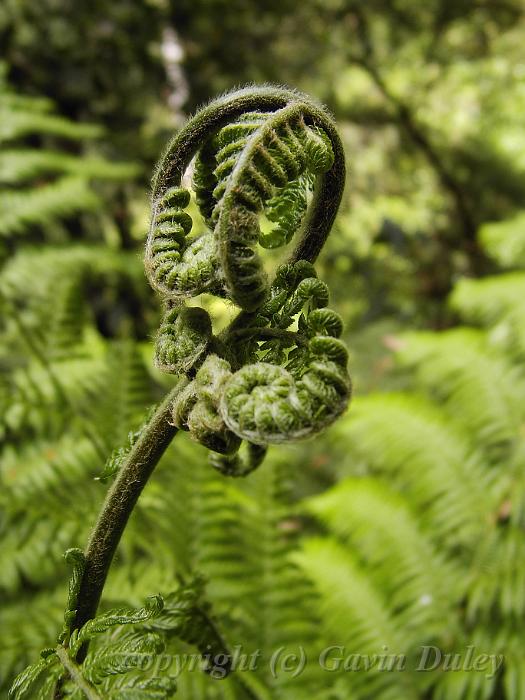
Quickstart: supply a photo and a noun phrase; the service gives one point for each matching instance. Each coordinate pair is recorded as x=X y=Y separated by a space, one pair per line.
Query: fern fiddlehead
x=278 y=372
x=272 y=389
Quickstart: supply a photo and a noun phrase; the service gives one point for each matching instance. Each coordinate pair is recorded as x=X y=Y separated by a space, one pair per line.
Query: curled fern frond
x=279 y=372
x=257 y=158
x=177 y=265
x=264 y=404
x=182 y=338
x=197 y=408
x=287 y=209
x=291 y=397
x=261 y=162
x=239 y=463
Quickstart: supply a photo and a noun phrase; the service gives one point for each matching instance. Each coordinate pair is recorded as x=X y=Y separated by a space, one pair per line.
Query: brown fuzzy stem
x=120 y=501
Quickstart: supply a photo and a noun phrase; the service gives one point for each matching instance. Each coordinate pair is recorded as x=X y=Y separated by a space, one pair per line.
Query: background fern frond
x=41 y=188
x=379 y=525
x=477 y=385
x=355 y=614
x=505 y=241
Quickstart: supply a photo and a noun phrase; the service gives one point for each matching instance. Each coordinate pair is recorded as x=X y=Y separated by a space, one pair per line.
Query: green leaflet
x=126 y=646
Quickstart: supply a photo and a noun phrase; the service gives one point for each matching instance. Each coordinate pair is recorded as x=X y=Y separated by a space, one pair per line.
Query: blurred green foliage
x=428 y=97
x=426 y=525
x=405 y=525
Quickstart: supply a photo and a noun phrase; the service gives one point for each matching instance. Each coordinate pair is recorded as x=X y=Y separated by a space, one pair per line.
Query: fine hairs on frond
x=260 y=381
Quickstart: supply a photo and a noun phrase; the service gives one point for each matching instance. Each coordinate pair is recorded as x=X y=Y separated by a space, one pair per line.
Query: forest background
x=402 y=526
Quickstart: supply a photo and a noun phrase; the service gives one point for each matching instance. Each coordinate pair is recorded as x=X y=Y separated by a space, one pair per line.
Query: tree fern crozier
x=277 y=373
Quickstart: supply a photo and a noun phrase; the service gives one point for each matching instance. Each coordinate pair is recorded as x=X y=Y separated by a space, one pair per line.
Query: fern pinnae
x=258 y=159
x=273 y=154
x=182 y=339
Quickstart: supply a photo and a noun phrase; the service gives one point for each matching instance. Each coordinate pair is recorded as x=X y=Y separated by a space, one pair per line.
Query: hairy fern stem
x=118 y=506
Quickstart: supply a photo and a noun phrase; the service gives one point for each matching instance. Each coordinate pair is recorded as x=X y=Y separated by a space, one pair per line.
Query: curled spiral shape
x=258 y=157
x=278 y=373
x=177 y=265
x=182 y=339
x=263 y=403
x=197 y=408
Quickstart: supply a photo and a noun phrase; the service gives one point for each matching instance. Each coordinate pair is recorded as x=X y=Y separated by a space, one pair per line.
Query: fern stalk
x=118 y=506
x=76 y=674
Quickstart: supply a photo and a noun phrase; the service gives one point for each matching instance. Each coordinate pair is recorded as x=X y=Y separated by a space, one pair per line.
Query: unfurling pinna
x=278 y=373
